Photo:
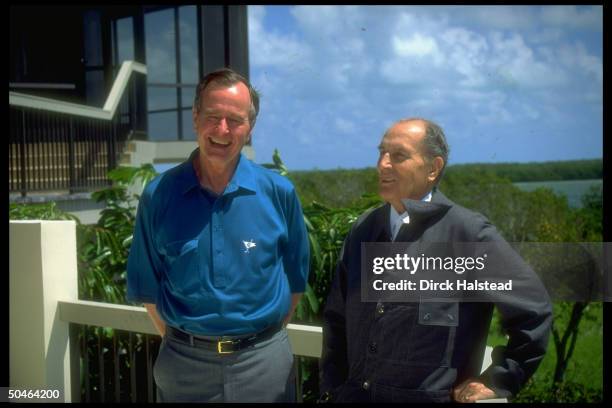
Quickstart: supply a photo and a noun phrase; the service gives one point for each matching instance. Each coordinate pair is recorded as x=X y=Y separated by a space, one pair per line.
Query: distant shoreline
x=516 y=172
x=574 y=190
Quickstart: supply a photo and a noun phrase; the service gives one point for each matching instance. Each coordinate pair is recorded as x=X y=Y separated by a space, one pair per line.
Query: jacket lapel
x=422 y=214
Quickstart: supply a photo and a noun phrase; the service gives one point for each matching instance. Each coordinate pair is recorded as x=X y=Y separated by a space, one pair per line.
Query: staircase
x=57 y=146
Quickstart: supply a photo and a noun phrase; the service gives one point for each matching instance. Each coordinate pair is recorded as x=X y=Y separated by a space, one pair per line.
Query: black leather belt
x=223 y=345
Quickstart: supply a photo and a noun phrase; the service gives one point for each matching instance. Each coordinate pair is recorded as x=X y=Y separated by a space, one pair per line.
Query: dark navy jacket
x=411 y=352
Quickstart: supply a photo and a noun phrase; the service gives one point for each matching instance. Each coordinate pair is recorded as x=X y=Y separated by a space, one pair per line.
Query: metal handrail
x=105 y=113
x=306 y=340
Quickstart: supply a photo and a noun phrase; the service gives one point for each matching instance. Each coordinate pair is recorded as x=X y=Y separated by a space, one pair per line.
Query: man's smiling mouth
x=217 y=142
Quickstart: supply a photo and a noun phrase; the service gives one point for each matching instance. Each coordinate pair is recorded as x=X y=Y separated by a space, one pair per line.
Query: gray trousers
x=261 y=373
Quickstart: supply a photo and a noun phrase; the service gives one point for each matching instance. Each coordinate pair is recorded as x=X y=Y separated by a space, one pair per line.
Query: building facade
x=74 y=55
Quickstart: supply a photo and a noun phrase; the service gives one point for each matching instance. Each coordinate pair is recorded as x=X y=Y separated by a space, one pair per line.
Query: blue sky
x=506 y=83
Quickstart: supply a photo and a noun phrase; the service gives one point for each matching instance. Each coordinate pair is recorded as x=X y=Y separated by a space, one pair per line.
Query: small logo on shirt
x=248 y=245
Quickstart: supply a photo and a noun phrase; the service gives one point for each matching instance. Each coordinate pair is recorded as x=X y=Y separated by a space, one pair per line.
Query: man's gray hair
x=228 y=77
x=434 y=143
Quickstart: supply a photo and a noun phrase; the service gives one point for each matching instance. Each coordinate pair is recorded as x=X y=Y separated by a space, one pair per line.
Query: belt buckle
x=220 y=344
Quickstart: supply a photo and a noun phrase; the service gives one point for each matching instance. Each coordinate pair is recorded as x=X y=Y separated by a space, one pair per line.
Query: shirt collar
x=242 y=177
x=396 y=218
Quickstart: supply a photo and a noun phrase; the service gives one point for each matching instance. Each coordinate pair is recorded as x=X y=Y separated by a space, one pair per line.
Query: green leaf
x=315 y=248
x=312 y=299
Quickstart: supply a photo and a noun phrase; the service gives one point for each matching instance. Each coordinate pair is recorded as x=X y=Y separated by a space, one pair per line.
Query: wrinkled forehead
x=412 y=128
x=236 y=95
x=233 y=88
x=236 y=88
x=408 y=134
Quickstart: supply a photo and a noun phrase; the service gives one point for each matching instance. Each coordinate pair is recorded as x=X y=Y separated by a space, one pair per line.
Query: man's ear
x=436 y=167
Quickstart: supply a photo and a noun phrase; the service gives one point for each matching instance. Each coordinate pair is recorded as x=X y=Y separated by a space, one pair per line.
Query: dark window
x=125 y=40
x=172 y=64
x=162 y=126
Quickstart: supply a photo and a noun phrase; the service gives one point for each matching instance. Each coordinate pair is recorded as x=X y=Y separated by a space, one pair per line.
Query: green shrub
x=329 y=212
x=39 y=211
x=568 y=391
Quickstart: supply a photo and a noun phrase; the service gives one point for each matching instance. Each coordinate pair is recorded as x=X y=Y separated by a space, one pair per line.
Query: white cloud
x=329 y=21
x=502 y=17
x=413 y=53
x=594 y=96
x=408 y=19
x=494 y=114
x=467 y=54
x=487 y=106
x=546 y=35
x=417 y=46
x=517 y=65
x=345 y=126
x=576 y=56
x=590 y=18
x=466 y=58
x=396 y=71
x=530 y=111
x=271 y=49
x=363 y=68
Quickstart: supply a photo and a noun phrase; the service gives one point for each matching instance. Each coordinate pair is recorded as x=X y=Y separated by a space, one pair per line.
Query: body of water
x=573 y=189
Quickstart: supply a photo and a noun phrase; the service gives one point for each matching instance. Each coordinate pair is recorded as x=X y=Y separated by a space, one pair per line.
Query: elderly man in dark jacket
x=425 y=351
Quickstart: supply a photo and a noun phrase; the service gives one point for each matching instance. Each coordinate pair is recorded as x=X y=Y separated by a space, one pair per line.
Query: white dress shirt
x=397 y=220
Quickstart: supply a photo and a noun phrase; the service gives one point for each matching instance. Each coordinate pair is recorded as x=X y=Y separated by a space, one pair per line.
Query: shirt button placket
x=218 y=241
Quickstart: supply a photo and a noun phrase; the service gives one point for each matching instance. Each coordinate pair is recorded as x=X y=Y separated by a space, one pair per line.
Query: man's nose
x=222 y=125
x=384 y=161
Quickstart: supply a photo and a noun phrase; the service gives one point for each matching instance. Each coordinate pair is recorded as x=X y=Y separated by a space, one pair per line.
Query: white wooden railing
x=106 y=113
x=43 y=298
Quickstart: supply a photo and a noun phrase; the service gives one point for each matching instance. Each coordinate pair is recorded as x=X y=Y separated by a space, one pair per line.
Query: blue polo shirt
x=219 y=266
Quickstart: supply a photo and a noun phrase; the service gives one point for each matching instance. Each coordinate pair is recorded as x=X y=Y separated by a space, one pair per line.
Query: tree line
x=344 y=187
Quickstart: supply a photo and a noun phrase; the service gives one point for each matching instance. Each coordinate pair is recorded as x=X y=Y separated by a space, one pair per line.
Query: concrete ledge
x=42 y=270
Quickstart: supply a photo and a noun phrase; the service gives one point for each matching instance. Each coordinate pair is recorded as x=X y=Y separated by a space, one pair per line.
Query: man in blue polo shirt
x=220 y=260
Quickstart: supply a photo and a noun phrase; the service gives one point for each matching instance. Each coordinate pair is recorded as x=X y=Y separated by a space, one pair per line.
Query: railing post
x=71 y=157
x=132 y=102
x=297 y=370
x=42 y=271
x=23 y=155
x=112 y=143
